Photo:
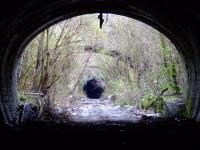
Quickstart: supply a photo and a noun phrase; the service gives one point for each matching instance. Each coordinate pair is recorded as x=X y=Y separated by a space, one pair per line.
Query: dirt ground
x=101 y=110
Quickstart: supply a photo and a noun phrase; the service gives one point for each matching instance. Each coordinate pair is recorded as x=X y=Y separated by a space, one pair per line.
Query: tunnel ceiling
x=21 y=20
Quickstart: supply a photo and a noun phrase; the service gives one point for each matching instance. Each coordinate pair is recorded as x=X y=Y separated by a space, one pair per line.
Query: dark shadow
x=94 y=88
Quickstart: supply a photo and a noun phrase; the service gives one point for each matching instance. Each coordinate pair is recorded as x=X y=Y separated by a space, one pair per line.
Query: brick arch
x=18 y=26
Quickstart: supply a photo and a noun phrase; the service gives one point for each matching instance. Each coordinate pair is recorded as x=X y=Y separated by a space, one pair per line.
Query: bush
x=152 y=101
x=147 y=100
x=26 y=98
x=21 y=97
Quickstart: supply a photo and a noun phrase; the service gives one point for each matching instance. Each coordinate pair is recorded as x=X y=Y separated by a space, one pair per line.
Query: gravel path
x=98 y=110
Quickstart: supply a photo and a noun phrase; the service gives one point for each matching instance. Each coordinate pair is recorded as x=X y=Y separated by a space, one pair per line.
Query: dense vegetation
x=135 y=61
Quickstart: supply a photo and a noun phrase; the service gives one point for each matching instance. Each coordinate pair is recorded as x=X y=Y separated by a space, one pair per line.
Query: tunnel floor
x=101 y=110
x=148 y=133
x=100 y=123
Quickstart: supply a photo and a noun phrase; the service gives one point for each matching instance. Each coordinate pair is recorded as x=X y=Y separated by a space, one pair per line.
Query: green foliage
x=159 y=106
x=188 y=110
x=21 y=97
x=151 y=101
x=123 y=100
x=171 y=86
x=147 y=100
x=169 y=66
x=129 y=74
x=171 y=73
x=26 y=98
x=167 y=51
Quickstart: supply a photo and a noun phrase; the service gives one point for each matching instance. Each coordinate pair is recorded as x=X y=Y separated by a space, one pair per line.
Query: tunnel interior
x=179 y=25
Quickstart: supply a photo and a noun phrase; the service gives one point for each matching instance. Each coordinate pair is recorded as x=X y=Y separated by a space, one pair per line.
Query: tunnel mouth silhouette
x=39 y=21
x=93 y=88
x=124 y=88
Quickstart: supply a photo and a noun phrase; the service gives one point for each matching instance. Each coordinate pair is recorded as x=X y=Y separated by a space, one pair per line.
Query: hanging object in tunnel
x=101 y=20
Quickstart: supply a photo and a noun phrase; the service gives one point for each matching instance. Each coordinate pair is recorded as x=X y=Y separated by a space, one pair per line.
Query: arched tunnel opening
x=84 y=71
x=28 y=19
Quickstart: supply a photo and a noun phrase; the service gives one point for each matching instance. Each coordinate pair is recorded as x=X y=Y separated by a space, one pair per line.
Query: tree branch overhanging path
x=131 y=57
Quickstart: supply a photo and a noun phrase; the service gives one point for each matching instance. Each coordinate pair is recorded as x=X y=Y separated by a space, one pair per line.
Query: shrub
x=152 y=101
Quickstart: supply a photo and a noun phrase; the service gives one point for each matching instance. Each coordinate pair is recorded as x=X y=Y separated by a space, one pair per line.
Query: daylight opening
x=100 y=67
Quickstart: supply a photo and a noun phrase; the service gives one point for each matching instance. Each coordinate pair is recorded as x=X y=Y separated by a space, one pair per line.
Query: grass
x=170 y=98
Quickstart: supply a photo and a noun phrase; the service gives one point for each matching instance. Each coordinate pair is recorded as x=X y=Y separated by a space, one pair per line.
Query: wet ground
x=100 y=124
x=101 y=110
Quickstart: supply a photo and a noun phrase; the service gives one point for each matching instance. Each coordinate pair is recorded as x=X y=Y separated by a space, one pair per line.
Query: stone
x=175 y=109
x=30 y=113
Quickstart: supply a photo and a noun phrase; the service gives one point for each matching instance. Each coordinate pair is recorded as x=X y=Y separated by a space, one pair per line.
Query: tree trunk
x=37 y=71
